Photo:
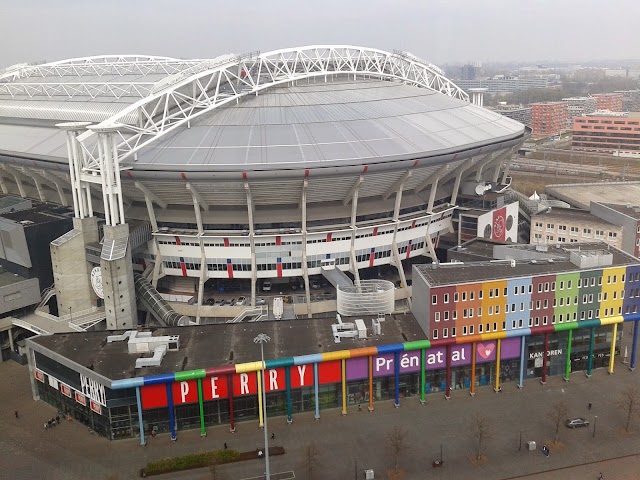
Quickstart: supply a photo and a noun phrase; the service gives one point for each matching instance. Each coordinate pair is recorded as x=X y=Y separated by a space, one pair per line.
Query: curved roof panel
x=338 y=122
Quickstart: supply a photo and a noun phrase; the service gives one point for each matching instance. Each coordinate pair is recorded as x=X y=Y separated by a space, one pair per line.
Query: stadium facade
x=255 y=166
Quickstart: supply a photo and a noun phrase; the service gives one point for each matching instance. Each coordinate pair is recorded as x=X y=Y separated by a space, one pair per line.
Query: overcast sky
x=436 y=30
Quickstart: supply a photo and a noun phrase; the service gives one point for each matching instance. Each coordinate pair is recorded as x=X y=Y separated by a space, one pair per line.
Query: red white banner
x=65 y=389
x=301 y=376
x=96 y=407
x=81 y=399
x=499 y=227
x=39 y=375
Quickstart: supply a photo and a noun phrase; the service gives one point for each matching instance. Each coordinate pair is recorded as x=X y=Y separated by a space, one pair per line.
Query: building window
x=454 y=315
x=464 y=330
x=445 y=298
x=471 y=329
x=434 y=300
x=446 y=315
x=436 y=316
x=445 y=333
x=471 y=295
x=480 y=328
x=456 y=297
x=453 y=331
x=435 y=334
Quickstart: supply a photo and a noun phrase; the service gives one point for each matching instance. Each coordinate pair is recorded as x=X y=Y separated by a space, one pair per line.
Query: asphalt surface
x=69 y=451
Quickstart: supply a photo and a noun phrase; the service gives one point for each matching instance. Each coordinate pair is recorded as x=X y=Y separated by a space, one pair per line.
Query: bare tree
x=311 y=454
x=481 y=432
x=397 y=441
x=630 y=403
x=558 y=414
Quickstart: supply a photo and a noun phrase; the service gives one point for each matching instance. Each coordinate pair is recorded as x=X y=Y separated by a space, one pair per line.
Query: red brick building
x=609 y=101
x=606 y=133
x=548 y=118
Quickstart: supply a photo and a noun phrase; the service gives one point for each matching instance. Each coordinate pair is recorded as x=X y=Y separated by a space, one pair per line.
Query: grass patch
x=187 y=462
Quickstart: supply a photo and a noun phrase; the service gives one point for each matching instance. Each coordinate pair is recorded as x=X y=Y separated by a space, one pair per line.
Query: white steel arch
x=101 y=65
x=180 y=102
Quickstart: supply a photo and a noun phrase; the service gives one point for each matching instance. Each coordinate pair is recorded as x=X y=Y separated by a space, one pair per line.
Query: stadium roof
x=319 y=105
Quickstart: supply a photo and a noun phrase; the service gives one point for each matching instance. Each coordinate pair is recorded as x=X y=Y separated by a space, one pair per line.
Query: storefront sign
x=96 y=407
x=66 y=390
x=39 y=375
x=81 y=399
x=383 y=365
x=301 y=376
x=329 y=372
x=94 y=390
x=550 y=353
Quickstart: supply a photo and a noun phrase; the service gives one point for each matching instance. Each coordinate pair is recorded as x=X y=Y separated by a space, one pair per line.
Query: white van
x=266 y=286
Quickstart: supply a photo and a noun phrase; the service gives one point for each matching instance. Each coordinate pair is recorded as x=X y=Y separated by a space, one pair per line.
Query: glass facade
x=119 y=419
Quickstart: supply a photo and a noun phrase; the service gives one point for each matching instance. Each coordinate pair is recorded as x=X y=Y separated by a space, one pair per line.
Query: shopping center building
x=531 y=313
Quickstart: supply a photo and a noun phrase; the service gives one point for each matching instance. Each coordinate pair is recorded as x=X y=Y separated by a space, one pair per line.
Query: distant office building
x=606 y=132
x=630 y=100
x=516 y=112
x=579 y=106
x=609 y=101
x=468 y=72
x=548 y=118
x=504 y=84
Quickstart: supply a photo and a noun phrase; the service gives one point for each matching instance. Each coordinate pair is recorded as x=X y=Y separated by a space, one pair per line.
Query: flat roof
x=456 y=273
x=582 y=194
x=8 y=278
x=630 y=210
x=206 y=346
x=570 y=213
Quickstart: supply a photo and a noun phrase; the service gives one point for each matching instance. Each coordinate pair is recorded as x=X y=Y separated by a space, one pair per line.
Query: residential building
x=518 y=113
x=548 y=118
x=579 y=106
x=609 y=101
x=571 y=225
x=630 y=100
x=607 y=132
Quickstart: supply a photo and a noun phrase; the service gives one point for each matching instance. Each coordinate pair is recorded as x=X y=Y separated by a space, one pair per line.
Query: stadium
x=257 y=166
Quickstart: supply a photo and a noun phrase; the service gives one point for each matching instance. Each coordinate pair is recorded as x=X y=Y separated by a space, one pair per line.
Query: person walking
x=225 y=445
x=16 y=412
x=273 y=436
x=590 y=405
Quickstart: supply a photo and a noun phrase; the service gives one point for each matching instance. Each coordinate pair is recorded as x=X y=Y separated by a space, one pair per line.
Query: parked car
x=260 y=301
x=210 y=301
x=241 y=301
x=314 y=284
x=266 y=286
x=232 y=301
x=577 y=422
x=224 y=302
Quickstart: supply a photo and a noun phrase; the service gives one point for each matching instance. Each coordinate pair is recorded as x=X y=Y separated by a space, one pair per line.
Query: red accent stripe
x=435 y=244
x=306 y=172
x=184 y=177
x=413 y=224
x=415 y=162
x=408 y=251
x=128 y=173
x=177 y=240
x=375 y=231
x=278 y=240
x=372 y=256
x=244 y=175
x=329 y=237
x=230 y=270
x=279 y=269
x=183 y=267
x=365 y=168
x=226 y=242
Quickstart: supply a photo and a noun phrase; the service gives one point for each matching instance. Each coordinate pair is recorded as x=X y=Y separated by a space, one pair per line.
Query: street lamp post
x=262 y=338
x=595 y=421
x=70 y=316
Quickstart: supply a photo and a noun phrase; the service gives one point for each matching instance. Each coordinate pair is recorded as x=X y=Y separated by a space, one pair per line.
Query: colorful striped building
x=549 y=312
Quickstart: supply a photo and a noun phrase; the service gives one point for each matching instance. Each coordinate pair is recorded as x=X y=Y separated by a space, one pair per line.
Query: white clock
x=96 y=281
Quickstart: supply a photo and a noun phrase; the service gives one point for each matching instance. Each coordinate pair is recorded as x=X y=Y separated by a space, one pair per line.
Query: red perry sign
x=217 y=387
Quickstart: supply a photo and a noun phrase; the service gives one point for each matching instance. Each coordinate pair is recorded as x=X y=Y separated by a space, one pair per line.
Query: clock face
x=96 y=281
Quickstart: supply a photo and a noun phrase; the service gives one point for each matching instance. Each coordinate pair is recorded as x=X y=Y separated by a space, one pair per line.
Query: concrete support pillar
x=305 y=268
x=117 y=278
x=354 y=230
x=71 y=271
x=252 y=240
x=11 y=345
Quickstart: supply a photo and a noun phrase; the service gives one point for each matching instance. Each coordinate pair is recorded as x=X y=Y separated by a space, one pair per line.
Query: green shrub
x=187 y=462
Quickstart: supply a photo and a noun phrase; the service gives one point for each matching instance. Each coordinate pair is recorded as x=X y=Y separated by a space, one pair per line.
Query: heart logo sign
x=485 y=351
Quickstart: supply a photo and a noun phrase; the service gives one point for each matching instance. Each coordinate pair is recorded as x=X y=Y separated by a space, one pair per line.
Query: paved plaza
x=69 y=451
